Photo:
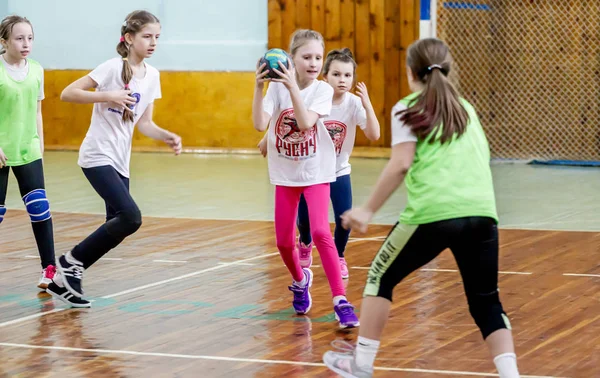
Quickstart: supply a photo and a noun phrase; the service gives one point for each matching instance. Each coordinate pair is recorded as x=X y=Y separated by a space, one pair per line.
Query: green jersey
x=450 y=180
x=19 y=137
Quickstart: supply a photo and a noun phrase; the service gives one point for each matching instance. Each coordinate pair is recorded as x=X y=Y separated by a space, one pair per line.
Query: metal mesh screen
x=532 y=70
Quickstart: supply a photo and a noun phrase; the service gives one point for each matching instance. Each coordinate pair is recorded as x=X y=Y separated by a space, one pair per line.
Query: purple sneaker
x=302 y=300
x=344 y=313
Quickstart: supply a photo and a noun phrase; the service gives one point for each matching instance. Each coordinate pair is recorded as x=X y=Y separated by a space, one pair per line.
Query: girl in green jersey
x=440 y=152
x=21 y=134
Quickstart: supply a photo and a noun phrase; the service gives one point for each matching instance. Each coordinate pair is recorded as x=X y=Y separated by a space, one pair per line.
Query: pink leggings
x=286 y=208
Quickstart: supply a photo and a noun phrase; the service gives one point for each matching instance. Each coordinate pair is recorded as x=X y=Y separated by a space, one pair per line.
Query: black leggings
x=123 y=217
x=31 y=177
x=474 y=244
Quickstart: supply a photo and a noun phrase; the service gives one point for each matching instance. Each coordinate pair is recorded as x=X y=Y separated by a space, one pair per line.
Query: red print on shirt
x=290 y=141
x=337 y=132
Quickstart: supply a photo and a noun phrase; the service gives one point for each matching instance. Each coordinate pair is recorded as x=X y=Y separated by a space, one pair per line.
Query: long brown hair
x=438 y=105
x=7 y=25
x=134 y=23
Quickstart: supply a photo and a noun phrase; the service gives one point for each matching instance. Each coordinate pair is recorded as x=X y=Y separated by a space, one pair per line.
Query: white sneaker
x=46 y=277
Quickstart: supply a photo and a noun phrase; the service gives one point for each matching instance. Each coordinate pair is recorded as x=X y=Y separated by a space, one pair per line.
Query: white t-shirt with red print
x=299 y=158
x=341 y=125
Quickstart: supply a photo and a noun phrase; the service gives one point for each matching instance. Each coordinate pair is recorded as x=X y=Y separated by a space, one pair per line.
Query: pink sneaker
x=305 y=254
x=46 y=278
x=344 y=268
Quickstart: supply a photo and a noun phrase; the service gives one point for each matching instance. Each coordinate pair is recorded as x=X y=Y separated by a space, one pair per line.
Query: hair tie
x=125 y=59
x=427 y=70
x=126 y=86
x=122 y=39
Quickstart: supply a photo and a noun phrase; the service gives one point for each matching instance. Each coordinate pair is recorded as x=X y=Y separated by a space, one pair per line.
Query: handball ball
x=273 y=58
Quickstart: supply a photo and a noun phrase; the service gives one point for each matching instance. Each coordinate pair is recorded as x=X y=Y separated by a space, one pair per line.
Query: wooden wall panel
x=208 y=109
x=288 y=21
x=274 y=17
x=303 y=13
x=377 y=31
x=392 y=50
x=377 y=63
x=333 y=24
x=347 y=22
x=317 y=21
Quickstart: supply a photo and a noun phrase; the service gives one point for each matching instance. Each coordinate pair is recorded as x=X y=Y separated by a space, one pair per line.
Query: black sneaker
x=64 y=295
x=72 y=275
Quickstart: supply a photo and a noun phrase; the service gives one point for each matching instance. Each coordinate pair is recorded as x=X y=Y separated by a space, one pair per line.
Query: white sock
x=302 y=283
x=72 y=260
x=506 y=363
x=366 y=350
x=338 y=298
x=58 y=280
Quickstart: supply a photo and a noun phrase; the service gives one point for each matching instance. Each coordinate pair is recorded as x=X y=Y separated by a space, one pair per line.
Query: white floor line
x=237 y=263
x=193 y=274
x=34 y=316
x=112 y=259
x=169 y=261
x=438 y=270
x=455 y=270
x=581 y=275
x=375 y=238
x=143 y=287
x=246 y=360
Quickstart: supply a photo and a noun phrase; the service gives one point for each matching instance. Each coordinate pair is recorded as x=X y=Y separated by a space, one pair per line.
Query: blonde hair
x=301 y=36
x=7 y=25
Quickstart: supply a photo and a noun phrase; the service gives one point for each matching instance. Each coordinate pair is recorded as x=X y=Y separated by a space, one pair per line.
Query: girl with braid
x=125 y=90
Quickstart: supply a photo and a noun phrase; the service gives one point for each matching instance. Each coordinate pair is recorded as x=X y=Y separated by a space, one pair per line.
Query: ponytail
x=126 y=74
x=438 y=105
x=134 y=22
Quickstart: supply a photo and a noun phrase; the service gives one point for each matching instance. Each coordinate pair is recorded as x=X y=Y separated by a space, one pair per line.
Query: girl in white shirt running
x=126 y=88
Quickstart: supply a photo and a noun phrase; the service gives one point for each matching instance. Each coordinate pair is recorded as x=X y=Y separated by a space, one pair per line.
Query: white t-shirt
x=299 y=158
x=341 y=124
x=108 y=140
x=20 y=74
x=400 y=132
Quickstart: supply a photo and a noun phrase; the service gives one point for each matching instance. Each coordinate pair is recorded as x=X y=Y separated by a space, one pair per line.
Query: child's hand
x=287 y=76
x=261 y=75
x=363 y=93
x=122 y=99
x=357 y=219
x=174 y=141
x=262 y=146
x=3 y=159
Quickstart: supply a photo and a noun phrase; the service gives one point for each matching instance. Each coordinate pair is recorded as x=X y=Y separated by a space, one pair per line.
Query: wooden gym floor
x=200 y=290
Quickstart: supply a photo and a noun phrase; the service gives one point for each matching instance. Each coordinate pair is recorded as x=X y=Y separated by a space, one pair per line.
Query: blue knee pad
x=2 y=212
x=37 y=205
